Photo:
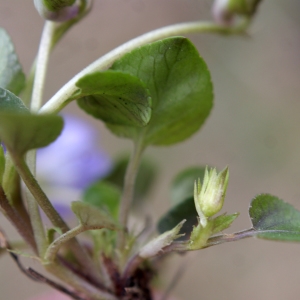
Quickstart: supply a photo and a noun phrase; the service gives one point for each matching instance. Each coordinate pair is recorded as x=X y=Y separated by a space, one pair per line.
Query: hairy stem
x=64 y=95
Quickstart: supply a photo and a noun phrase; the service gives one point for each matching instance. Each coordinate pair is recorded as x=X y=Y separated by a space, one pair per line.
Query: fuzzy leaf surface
x=180 y=87
x=11 y=74
x=274 y=219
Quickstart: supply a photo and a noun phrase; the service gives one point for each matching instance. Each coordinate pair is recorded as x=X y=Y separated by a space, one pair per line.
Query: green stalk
x=42 y=65
x=80 y=253
x=17 y=220
x=64 y=95
x=128 y=189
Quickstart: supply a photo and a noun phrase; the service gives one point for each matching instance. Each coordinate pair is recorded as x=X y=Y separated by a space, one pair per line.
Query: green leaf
x=182 y=186
x=11 y=74
x=180 y=87
x=91 y=216
x=114 y=97
x=105 y=196
x=21 y=132
x=144 y=180
x=184 y=210
x=11 y=103
x=274 y=219
x=223 y=222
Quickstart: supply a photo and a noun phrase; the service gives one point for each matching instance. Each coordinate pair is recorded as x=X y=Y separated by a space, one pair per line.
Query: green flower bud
x=57 y=10
x=224 y=11
x=209 y=197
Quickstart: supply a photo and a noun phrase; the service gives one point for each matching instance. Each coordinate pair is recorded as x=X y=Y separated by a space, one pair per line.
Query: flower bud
x=209 y=197
x=57 y=10
x=224 y=11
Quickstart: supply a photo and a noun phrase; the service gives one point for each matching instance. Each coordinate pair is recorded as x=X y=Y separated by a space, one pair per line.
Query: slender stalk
x=52 y=250
x=42 y=65
x=128 y=190
x=232 y=237
x=64 y=95
x=33 y=209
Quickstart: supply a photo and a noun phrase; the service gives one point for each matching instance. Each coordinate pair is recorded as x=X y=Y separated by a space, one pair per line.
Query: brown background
x=254 y=128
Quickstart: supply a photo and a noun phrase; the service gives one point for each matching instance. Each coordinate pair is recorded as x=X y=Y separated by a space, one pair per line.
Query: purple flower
x=71 y=163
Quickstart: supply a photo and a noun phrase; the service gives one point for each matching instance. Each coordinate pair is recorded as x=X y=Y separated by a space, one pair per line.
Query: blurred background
x=253 y=128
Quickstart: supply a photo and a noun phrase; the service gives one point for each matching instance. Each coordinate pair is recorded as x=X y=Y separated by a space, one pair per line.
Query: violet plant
x=155 y=90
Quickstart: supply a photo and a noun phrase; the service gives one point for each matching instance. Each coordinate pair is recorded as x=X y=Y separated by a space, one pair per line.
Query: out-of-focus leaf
x=22 y=132
x=105 y=196
x=274 y=219
x=184 y=210
x=92 y=217
x=11 y=103
x=144 y=181
x=11 y=75
x=180 y=87
x=116 y=98
x=182 y=186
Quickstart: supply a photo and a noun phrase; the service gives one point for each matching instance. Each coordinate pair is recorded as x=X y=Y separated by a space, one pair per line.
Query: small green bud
x=224 y=11
x=209 y=197
x=57 y=10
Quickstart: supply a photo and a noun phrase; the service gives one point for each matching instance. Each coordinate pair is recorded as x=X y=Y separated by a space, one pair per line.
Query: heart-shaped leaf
x=11 y=74
x=180 y=87
x=183 y=211
x=115 y=97
x=274 y=219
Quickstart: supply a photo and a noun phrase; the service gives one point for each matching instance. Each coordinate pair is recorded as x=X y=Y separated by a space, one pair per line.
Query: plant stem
x=64 y=95
x=41 y=65
x=80 y=253
x=17 y=220
x=128 y=189
x=52 y=250
x=232 y=237
x=33 y=209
